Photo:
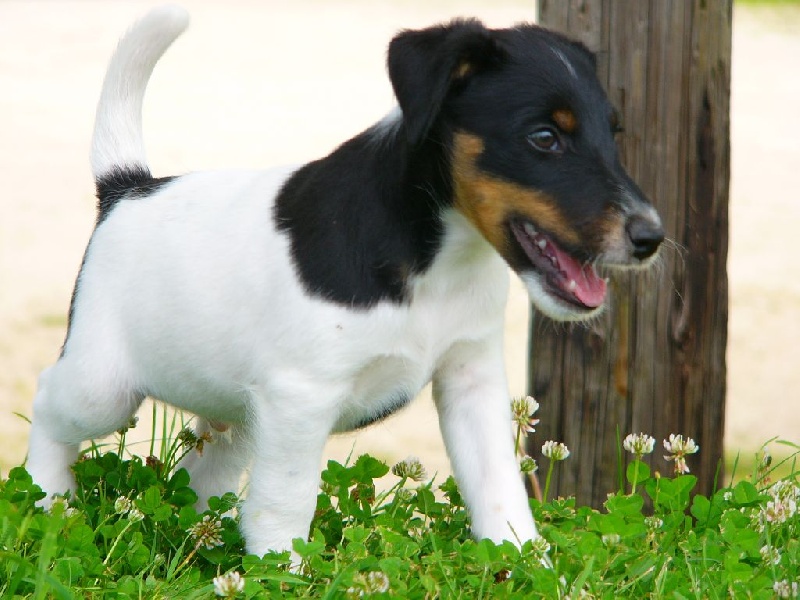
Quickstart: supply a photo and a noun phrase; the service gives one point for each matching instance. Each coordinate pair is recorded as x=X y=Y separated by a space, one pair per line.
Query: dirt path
x=252 y=84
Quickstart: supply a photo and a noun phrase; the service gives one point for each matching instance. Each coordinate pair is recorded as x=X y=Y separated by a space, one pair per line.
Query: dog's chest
x=450 y=306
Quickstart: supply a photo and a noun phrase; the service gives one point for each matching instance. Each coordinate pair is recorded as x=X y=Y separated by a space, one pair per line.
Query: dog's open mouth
x=567 y=278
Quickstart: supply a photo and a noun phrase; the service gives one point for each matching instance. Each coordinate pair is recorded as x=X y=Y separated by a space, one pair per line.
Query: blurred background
x=260 y=83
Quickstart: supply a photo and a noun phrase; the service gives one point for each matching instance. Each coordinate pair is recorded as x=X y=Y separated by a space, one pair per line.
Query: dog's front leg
x=291 y=431
x=471 y=395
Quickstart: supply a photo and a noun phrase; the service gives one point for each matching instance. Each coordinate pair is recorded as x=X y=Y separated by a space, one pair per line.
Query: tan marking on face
x=565 y=119
x=488 y=201
x=614 y=238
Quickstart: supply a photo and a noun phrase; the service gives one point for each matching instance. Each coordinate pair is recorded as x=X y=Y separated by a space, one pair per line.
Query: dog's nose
x=645 y=235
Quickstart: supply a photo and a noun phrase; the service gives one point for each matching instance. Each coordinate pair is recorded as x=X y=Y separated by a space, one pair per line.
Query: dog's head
x=533 y=158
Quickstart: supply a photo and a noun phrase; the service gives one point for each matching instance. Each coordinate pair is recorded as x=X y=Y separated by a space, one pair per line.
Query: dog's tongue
x=575 y=281
x=588 y=287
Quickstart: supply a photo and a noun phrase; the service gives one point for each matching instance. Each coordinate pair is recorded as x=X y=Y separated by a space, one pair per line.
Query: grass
x=130 y=531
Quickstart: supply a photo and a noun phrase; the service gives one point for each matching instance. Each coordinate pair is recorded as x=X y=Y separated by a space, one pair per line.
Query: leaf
x=637 y=471
x=311 y=548
x=745 y=493
x=700 y=508
x=150 y=501
x=625 y=505
x=368 y=468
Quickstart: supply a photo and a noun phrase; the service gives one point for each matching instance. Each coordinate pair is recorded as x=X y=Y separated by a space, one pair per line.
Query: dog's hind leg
x=216 y=467
x=77 y=399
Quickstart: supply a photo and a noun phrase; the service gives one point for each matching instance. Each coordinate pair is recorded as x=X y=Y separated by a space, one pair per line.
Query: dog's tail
x=117 y=142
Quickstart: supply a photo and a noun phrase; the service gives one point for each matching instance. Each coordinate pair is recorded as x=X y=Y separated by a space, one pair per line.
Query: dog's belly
x=382 y=387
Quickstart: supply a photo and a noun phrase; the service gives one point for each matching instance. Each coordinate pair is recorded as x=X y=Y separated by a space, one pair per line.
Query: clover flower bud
x=555 y=450
x=410 y=468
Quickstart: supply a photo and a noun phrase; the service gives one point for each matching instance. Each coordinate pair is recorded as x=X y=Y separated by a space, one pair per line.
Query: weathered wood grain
x=655 y=362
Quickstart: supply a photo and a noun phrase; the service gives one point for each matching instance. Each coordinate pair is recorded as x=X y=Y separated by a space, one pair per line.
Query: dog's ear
x=425 y=65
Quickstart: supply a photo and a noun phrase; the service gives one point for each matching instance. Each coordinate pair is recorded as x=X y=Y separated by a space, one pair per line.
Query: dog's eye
x=545 y=139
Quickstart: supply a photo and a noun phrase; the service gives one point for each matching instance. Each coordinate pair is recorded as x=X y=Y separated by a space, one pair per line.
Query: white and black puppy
x=289 y=304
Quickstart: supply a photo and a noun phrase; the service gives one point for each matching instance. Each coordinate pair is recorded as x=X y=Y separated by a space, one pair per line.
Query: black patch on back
x=365 y=218
x=125 y=182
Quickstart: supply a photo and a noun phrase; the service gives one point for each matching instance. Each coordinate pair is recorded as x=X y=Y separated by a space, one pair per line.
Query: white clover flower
x=522 y=411
x=555 y=450
x=67 y=510
x=134 y=514
x=639 y=444
x=229 y=584
x=678 y=449
x=404 y=494
x=528 y=464
x=779 y=511
x=785 y=490
x=122 y=505
x=611 y=539
x=410 y=468
x=207 y=532
x=783 y=589
x=677 y=445
x=727 y=496
x=377 y=582
x=770 y=555
x=653 y=523
x=540 y=546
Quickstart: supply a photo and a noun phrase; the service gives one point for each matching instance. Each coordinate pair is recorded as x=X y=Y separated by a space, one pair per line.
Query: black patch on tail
x=125 y=182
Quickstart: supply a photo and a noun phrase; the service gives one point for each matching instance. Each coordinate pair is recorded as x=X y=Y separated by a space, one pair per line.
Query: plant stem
x=547 y=480
x=635 y=476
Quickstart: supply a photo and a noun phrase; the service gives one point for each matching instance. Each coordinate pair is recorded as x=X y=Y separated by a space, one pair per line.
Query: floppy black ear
x=425 y=65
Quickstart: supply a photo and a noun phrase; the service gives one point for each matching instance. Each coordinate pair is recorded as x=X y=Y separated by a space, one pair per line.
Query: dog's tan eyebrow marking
x=565 y=119
x=489 y=202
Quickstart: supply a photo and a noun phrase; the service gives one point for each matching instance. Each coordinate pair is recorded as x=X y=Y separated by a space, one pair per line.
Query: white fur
x=190 y=296
x=117 y=138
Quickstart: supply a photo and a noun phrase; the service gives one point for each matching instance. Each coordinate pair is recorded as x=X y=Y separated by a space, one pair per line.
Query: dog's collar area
x=570 y=280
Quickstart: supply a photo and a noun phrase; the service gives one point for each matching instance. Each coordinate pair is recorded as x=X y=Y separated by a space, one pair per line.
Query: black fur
x=123 y=182
x=365 y=218
x=424 y=67
x=368 y=216
x=396 y=403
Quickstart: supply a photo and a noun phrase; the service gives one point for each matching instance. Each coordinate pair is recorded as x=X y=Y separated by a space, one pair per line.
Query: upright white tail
x=117 y=142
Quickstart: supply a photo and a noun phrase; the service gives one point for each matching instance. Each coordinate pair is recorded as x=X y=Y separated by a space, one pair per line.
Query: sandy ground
x=261 y=83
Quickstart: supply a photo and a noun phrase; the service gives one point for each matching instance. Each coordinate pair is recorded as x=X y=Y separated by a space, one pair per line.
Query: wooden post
x=654 y=362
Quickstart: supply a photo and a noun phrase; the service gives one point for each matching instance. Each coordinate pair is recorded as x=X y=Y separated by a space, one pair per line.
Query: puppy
x=286 y=305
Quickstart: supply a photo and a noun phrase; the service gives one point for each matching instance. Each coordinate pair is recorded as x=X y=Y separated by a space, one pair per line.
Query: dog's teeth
x=554 y=260
x=572 y=285
x=606 y=279
x=530 y=229
x=542 y=243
